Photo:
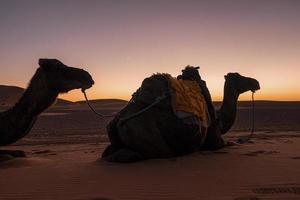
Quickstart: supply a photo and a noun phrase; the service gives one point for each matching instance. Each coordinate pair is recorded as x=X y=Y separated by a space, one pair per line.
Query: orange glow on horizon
x=78 y=96
x=217 y=95
x=122 y=43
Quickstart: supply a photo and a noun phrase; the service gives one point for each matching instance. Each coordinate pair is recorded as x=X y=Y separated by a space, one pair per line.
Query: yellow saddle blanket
x=187 y=97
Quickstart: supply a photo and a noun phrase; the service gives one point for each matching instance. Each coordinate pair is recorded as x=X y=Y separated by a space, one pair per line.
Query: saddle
x=188 y=100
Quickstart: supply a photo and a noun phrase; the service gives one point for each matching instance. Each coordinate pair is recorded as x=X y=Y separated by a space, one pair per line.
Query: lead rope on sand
x=245 y=139
x=97 y=113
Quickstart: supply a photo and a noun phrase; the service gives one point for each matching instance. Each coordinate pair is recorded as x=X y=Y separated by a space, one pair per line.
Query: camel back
x=185 y=97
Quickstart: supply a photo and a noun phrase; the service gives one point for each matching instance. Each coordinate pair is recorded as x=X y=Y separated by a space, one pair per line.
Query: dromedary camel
x=159 y=133
x=49 y=80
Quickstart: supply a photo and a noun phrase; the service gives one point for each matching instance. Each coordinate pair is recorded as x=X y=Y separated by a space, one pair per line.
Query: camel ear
x=42 y=62
x=197 y=67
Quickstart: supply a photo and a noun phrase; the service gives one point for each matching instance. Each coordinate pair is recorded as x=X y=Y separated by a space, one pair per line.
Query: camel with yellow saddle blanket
x=169 y=117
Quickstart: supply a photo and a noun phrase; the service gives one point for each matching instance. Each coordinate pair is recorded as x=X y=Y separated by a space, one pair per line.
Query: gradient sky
x=122 y=42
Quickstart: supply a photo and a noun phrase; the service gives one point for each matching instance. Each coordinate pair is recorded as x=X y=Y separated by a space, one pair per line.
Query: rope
x=88 y=103
x=252 y=126
x=157 y=100
x=246 y=139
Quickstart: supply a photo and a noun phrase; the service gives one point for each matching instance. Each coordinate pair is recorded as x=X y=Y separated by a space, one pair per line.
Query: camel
x=159 y=133
x=49 y=80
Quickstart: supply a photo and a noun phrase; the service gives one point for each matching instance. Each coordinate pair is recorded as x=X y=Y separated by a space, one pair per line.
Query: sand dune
x=265 y=169
x=9 y=95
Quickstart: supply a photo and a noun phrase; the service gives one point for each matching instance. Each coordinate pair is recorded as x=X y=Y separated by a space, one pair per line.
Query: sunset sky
x=122 y=42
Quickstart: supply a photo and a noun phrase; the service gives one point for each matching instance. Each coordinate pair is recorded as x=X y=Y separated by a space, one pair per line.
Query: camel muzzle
x=256 y=86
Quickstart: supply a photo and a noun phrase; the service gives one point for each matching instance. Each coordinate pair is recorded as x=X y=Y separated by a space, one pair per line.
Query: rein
x=156 y=101
x=97 y=113
x=246 y=139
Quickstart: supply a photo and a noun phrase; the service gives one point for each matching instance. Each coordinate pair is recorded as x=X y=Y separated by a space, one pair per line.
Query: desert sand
x=65 y=145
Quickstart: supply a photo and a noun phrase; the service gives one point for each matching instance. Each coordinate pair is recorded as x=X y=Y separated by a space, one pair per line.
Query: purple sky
x=122 y=42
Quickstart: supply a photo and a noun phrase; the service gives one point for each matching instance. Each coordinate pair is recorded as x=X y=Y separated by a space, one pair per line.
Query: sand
x=63 y=163
x=268 y=168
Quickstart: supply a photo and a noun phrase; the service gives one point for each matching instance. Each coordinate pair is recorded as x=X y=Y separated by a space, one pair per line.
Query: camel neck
x=229 y=107
x=33 y=103
x=16 y=122
x=36 y=98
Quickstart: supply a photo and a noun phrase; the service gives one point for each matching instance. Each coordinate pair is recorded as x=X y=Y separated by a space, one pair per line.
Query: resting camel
x=49 y=80
x=159 y=133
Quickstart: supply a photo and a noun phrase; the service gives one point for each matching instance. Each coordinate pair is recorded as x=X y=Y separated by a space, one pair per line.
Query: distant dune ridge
x=9 y=95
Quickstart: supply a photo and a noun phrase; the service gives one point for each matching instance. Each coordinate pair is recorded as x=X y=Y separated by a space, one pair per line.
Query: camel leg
x=214 y=140
x=115 y=141
x=113 y=134
x=124 y=155
x=110 y=149
x=117 y=151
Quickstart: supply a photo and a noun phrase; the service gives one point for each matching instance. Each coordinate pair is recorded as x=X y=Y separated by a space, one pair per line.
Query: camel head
x=190 y=73
x=241 y=83
x=62 y=78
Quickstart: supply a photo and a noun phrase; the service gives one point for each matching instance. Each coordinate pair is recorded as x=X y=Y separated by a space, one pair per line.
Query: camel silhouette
x=49 y=80
x=159 y=133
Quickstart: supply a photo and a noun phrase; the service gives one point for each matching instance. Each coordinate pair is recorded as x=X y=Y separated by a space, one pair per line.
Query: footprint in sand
x=288 y=141
x=255 y=153
x=247 y=198
x=41 y=151
x=205 y=153
x=221 y=152
x=24 y=162
x=296 y=158
x=277 y=190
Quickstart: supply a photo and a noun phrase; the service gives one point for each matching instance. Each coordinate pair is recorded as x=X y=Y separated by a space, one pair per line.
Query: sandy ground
x=268 y=168
x=64 y=147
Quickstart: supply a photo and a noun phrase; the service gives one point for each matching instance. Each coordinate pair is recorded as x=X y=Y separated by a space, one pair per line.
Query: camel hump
x=49 y=61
